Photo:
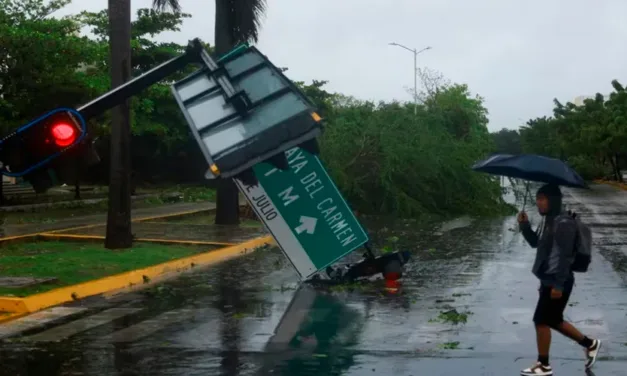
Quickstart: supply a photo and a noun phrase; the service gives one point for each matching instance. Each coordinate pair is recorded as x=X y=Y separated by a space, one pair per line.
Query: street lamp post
x=415 y=52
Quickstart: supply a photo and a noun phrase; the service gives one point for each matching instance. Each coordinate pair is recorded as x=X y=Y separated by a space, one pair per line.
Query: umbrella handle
x=526 y=193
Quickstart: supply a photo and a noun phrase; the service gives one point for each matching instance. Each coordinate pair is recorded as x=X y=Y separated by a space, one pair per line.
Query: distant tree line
x=592 y=137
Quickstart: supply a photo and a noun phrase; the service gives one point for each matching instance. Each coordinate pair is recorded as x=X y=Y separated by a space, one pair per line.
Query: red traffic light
x=63 y=134
x=38 y=143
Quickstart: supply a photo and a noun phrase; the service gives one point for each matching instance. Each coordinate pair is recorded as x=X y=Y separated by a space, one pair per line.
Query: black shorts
x=551 y=311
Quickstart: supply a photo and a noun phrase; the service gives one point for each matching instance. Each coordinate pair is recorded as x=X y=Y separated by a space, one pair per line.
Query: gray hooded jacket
x=555 y=244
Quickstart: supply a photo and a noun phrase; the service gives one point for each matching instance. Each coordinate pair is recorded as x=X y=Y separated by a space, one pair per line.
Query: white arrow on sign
x=307 y=224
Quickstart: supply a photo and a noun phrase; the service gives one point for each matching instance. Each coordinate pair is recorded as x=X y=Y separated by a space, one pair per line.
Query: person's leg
x=558 y=306
x=542 y=319
x=543 y=338
x=568 y=330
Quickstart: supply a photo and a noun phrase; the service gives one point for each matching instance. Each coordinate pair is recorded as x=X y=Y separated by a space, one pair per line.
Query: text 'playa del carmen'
x=328 y=207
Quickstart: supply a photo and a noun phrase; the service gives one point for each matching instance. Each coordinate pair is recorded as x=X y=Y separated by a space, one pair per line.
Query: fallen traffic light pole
x=234 y=116
x=253 y=125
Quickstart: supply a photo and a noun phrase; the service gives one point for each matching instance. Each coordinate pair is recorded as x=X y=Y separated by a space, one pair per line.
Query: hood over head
x=554 y=195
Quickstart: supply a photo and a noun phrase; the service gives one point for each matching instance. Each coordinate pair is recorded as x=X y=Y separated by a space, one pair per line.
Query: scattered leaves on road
x=453 y=317
x=461 y=294
x=449 y=345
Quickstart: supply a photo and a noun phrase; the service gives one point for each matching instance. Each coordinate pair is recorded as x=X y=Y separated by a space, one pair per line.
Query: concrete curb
x=616 y=184
x=17 y=307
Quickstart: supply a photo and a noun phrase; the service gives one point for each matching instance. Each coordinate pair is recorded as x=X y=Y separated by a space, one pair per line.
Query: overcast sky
x=517 y=55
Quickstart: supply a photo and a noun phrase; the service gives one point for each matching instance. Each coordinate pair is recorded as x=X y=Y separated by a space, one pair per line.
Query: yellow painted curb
x=616 y=184
x=72 y=228
x=49 y=235
x=13 y=305
x=189 y=212
x=62 y=295
x=188 y=242
x=17 y=237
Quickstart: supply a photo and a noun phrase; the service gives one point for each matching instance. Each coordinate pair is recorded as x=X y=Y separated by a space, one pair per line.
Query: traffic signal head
x=39 y=142
x=63 y=134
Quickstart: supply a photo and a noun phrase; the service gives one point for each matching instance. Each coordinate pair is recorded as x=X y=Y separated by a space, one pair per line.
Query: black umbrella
x=531 y=167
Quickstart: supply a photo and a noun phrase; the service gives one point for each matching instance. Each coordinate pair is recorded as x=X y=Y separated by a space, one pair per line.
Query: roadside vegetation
x=385 y=158
x=591 y=137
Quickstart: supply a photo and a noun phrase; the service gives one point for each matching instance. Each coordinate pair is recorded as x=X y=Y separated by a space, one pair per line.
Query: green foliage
x=452 y=317
x=539 y=136
x=388 y=160
x=385 y=158
x=507 y=141
x=322 y=99
x=45 y=64
x=589 y=168
x=154 y=112
x=39 y=58
x=592 y=137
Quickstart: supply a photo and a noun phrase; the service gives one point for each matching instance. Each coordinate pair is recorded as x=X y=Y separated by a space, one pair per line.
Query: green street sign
x=304 y=211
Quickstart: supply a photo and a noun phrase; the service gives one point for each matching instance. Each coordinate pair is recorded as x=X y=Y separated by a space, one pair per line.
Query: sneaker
x=592 y=353
x=537 y=370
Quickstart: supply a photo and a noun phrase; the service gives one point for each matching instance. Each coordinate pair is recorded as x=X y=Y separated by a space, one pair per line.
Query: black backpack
x=583 y=245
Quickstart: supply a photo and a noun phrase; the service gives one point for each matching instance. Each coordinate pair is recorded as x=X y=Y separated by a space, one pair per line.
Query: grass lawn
x=74 y=262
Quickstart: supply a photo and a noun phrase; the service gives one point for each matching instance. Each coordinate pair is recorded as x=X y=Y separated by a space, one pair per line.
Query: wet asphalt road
x=222 y=320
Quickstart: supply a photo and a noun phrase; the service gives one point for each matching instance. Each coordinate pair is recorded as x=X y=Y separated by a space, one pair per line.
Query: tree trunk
x=227 y=197
x=613 y=165
x=133 y=183
x=119 y=234
x=77 y=179
x=619 y=176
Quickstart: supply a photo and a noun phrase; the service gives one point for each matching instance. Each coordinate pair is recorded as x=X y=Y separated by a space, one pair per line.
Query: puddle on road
x=251 y=296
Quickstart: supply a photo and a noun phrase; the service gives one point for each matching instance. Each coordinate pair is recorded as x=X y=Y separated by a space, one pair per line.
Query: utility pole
x=415 y=52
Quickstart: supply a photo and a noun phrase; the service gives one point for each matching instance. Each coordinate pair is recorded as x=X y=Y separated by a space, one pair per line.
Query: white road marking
x=150 y=326
x=37 y=319
x=67 y=330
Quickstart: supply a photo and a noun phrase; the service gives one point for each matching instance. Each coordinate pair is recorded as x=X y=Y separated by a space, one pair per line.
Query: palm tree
x=237 y=21
x=119 y=234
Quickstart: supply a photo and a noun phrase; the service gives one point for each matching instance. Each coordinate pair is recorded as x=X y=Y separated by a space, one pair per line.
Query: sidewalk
x=101 y=219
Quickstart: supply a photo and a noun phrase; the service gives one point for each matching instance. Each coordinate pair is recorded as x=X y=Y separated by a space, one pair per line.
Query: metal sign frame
x=217 y=73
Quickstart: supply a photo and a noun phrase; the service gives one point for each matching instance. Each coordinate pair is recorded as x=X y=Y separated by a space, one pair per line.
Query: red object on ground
x=392 y=276
x=392 y=285
x=63 y=134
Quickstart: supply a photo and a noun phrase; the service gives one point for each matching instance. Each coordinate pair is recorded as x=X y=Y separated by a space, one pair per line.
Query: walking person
x=555 y=243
